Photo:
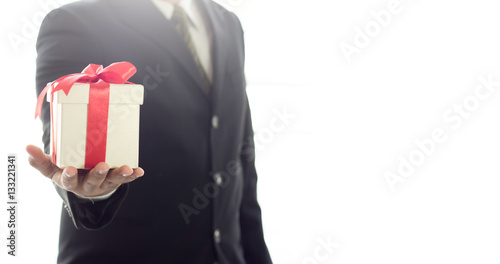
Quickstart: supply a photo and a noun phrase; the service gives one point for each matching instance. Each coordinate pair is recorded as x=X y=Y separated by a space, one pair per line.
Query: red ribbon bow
x=99 y=79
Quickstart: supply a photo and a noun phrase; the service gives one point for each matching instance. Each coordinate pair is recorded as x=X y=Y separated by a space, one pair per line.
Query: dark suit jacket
x=197 y=201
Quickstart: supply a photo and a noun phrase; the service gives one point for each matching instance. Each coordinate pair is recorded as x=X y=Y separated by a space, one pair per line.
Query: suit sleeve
x=254 y=245
x=250 y=213
x=65 y=46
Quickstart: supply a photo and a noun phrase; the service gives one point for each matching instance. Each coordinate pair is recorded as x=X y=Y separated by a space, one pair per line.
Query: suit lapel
x=144 y=17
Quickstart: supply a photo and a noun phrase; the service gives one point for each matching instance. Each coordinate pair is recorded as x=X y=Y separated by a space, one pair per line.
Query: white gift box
x=69 y=121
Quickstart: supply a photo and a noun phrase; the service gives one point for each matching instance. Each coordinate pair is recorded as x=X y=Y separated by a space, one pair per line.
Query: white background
x=321 y=178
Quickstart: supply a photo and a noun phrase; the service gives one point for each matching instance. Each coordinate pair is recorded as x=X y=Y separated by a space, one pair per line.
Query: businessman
x=193 y=199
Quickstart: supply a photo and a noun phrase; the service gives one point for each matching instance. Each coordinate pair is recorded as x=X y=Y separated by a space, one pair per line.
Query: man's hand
x=87 y=183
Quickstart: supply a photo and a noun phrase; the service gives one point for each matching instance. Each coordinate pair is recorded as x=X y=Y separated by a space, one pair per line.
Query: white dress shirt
x=202 y=39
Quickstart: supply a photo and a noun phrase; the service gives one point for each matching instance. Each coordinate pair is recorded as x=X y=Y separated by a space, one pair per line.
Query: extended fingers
x=95 y=177
x=99 y=180
x=136 y=173
x=123 y=174
x=41 y=162
x=68 y=179
x=117 y=177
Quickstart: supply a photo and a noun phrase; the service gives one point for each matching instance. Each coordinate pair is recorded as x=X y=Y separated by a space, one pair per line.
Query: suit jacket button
x=67 y=210
x=217 y=236
x=218 y=179
x=215 y=122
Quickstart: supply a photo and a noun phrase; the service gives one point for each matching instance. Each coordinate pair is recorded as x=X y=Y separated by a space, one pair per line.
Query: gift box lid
x=118 y=94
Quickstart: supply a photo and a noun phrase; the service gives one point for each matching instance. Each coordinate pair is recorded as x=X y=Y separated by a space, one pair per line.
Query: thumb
x=41 y=161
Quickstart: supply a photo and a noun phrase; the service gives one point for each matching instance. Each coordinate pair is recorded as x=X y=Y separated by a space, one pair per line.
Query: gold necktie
x=180 y=20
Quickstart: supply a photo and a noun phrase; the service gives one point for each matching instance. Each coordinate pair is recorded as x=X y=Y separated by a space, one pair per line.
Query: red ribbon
x=99 y=79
